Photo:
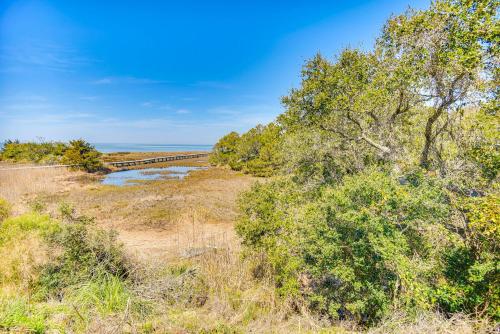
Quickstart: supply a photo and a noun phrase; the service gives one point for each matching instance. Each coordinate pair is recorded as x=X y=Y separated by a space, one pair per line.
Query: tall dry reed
x=17 y=185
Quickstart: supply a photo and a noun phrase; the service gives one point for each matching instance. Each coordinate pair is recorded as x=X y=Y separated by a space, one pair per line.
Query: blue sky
x=177 y=72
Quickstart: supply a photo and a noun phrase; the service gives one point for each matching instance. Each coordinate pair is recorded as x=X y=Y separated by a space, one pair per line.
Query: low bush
x=86 y=252
x=78 y=153
x=18 y=314
x=374 y=244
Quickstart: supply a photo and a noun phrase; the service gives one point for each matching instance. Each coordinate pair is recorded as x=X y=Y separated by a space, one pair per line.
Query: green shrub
x=255 y=152
x=16 y=227
x=5 y=209
x=78 y=153
x=83 y=156
x=356 y=251
x=37 y=204
x=42 y=152
x=472 y=264
x=87 y=252
x=224 y=151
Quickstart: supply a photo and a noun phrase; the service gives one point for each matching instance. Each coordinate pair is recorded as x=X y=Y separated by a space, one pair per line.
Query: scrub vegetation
x=78 y=153
x=370 y=205
x=385 y=192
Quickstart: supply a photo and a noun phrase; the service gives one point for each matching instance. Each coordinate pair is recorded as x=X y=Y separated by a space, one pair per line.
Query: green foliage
x=75 y=263
x=78 y=152
x=83 y=155
x=42 y=152
x=356 y=250
x=472 y=267
x=224 y=152
x=267 y=227
x=16 y=227
x=17 y=313
x=87 y=252
x=255 y=152
x=106 y=294
x=5 y=209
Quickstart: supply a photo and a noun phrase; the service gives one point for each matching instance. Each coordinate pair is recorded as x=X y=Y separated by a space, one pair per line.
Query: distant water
x=117 y=147
x=134 y=176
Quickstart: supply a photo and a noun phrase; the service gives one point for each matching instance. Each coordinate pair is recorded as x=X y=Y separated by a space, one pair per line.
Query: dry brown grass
x=218 y=293
x=20 y=186
x=434 y=323
x=163 y=218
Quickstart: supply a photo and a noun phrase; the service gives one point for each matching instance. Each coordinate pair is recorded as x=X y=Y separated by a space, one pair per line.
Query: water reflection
x=135 y=176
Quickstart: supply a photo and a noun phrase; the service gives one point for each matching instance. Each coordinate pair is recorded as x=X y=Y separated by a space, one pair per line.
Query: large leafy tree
x=362 y=101
x=453 y=50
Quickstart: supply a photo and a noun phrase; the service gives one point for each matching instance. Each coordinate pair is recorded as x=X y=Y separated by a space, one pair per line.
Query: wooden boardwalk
x=155 y=160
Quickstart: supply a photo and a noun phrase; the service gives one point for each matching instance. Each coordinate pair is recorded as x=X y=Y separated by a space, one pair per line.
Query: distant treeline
x=385 y=194
x=77 y=152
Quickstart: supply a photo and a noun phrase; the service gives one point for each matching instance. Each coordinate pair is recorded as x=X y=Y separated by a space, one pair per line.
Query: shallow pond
x=136 y=176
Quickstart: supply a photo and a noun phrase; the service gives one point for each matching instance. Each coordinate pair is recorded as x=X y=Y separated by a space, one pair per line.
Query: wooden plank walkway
x=155 y=160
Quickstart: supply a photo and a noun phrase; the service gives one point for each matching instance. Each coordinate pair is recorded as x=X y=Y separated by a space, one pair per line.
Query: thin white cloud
x=213 y=84
x=89 y=98
x=39 y=53
x=127 y=80
x=183 y=111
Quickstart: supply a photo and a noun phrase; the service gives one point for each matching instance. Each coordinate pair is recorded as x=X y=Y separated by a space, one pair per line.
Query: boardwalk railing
x=155 y=160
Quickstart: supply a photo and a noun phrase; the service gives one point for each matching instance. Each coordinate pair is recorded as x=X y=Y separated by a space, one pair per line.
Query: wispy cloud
x=39 y=53
x=127 y=80
x=89 y=98
x=183 y=111
x=147 y=104
x=213 y=84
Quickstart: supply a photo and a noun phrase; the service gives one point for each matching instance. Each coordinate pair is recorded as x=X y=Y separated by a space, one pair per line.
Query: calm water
x=117 y=147
x=128 y=177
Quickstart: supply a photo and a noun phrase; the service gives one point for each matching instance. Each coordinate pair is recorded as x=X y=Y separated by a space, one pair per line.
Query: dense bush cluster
x=387 y=197
x=43 y=152
x=77 y=152
x=254 y=152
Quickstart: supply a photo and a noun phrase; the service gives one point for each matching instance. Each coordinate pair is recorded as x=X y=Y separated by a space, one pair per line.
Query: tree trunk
x=429 y=138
